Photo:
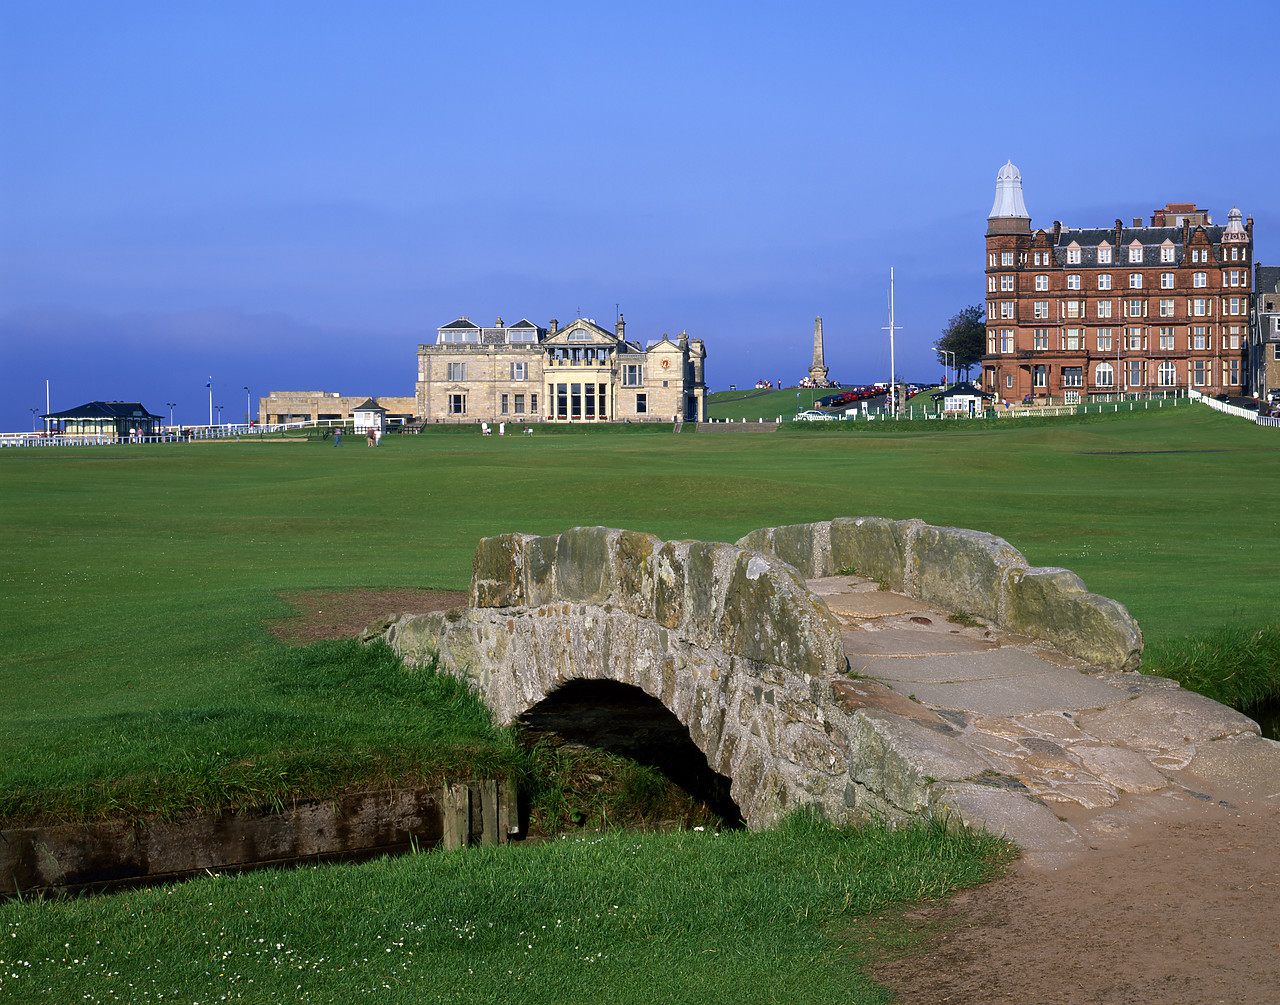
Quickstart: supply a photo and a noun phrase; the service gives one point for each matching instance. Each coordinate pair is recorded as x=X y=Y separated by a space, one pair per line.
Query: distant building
x=963 y=399
x=117 y=420
x=1095 y=311
x=579 y=373
x=1264 y=343
x=282 y=407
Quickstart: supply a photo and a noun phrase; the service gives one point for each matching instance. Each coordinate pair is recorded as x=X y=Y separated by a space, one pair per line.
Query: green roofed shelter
x=118 y=419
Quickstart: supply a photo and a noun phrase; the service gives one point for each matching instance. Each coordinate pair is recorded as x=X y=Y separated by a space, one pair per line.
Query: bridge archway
x=622 y=719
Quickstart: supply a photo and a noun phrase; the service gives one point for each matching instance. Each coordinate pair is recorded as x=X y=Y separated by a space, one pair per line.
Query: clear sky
x=292 y=195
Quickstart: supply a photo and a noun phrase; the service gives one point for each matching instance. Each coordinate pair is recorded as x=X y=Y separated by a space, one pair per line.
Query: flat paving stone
x=1010 y=696
x=987 y=664
x=1030 y=743
x=875 y=604
x=1164 y=718
x=1121 y=768
x=1248 y=764
x=824 y=586
x=907 y=642
x=1045 y=840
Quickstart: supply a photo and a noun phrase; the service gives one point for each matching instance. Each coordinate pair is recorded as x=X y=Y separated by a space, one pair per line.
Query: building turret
x=1009 y=213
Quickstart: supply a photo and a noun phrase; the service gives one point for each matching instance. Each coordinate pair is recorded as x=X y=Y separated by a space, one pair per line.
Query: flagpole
x=210 y=387
x=893 y=371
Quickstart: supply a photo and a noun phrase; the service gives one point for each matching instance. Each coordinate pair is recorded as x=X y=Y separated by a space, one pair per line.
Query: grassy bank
x=136 y=581
x=689 y=917
x=319 y=719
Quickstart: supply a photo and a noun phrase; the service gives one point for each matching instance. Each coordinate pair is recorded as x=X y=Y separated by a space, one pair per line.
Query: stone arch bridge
x=749 y=658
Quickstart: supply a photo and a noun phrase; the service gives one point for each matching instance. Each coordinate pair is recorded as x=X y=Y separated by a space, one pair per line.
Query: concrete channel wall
x=67 y=858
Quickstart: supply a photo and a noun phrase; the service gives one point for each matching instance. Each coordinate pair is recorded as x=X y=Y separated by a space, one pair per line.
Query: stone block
x=669 y=583
x=539 y=570
x=758 y=540
x=707 y=572
x=497 y=575
x=769 y=616
x=582 y=560
x=874 y=547
x=1053 y=604
x=962 y=570
x=898 y=759
x=806 y=547
x=632 y=572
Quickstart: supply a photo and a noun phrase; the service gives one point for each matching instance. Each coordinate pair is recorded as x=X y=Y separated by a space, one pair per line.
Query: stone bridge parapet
x=733 y=642
x=964 y=570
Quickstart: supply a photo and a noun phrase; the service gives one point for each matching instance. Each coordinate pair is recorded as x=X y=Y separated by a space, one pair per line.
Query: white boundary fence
x=1236 y=410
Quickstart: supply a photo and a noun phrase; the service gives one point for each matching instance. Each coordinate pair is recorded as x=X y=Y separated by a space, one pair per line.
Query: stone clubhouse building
x=579 y=373
x=523 y=373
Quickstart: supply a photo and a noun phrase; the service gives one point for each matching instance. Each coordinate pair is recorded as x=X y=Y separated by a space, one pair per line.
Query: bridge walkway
x=1105 y=757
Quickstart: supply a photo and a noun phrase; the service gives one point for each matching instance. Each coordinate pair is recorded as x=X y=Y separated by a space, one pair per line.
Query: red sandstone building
x=1072 y=313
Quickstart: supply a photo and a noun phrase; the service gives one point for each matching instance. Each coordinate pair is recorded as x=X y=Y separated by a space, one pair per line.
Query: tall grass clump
x=1236 y=664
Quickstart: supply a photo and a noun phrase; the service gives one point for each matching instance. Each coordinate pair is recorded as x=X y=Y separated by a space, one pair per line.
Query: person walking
x=337 y=437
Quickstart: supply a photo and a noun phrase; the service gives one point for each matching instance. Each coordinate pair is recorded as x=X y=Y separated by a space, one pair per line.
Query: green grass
x=319 y=719
x=688 y=917
x=1237 y=664
x=134 y=581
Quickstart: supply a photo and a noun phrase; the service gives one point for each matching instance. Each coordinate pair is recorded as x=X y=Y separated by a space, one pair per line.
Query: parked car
x=813 y=415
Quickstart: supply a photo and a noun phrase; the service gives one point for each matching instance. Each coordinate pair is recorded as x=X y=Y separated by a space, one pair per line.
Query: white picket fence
x=1236 y=410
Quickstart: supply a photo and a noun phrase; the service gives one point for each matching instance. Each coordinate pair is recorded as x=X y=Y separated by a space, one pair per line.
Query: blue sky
x=291 y=195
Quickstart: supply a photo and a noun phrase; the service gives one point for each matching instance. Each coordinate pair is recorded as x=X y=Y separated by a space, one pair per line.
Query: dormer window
x=1166 y=252
x=1135 y=253
x=1104 y=254
x=1073 y=254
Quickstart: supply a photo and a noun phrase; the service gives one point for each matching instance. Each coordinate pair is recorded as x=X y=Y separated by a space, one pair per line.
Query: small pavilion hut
x=115 y=420
x=369 y=416
x=963 y=399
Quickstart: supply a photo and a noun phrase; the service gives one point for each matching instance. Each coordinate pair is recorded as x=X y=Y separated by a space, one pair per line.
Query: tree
x=966 y=336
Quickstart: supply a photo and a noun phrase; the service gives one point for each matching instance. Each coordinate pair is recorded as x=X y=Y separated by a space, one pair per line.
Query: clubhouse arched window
x=1104 y=375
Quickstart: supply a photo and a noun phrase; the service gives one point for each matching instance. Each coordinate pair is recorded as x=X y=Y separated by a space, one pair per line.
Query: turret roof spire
x=1009 y=204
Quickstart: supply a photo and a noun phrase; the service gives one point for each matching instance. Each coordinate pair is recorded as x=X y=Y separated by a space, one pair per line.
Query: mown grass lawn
x=692 y=917
x=134 y=580
x=134 y=584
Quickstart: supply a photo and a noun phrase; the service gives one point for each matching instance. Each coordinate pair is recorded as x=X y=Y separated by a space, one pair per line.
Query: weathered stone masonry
x=964 y=570
x=729 y=638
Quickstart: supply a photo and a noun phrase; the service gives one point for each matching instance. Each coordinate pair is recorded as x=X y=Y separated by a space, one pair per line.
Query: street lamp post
x=172 y=405
x=33 y=419
x=246 y=407
x=219 y=408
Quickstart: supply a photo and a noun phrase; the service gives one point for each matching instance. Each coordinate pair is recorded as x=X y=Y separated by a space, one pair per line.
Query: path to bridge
x=1107 y=758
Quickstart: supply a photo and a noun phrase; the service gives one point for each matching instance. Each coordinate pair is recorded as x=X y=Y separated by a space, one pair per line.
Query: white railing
x=1228 y=409
x=173 y=434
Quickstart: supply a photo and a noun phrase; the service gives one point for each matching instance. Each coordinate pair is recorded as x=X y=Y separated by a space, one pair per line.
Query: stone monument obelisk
x=818 y=371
